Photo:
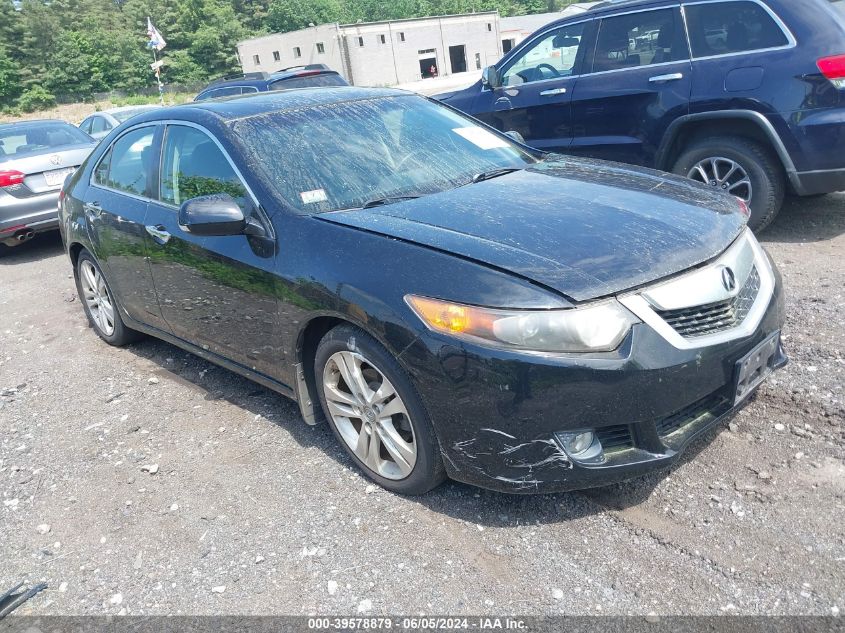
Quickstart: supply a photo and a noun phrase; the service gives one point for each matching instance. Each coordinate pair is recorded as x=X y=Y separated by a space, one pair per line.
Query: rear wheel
x=375 y=412
x=740 y=167
x=99 y=304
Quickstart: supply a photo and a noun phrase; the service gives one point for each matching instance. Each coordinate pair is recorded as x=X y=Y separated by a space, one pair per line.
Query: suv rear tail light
x=9 y=177
x=834 y=69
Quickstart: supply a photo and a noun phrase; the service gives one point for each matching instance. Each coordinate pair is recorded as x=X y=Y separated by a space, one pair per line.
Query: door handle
x=659 y=79
x=158 y=233
x=553 y=91
x=93 y=209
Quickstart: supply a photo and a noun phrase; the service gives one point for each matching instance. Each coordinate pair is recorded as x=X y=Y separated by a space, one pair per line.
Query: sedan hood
x=583 y=228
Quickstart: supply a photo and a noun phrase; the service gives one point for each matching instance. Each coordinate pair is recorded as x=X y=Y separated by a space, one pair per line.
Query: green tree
x=10 y=83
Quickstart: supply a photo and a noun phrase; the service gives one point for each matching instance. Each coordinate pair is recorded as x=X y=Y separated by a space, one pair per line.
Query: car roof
x=143 y=106
x=240 y=107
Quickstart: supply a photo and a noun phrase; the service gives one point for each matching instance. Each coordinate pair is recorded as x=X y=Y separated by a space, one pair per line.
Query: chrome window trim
x=93 y=183
x=790 y=38
x=640 y=306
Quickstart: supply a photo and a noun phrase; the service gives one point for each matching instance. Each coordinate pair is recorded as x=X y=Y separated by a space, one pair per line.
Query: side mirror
x=515 y=136
x=490 y=77
x=217 y=214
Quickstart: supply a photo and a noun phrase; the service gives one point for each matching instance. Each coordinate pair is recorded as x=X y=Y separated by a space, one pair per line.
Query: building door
x=458 y=58
x=428 y=63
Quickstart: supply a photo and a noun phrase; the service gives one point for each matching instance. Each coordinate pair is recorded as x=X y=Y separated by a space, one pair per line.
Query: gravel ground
x=146 y=481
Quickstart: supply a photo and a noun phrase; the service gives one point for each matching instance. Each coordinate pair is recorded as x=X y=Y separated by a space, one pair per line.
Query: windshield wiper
x=386 y=200
x=493 y=173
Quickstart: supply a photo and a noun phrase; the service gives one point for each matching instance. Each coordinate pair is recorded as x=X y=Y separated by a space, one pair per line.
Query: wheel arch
x=747 y=123
x=73 y=251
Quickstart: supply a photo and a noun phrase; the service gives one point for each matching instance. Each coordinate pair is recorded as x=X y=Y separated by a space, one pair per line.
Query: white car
x=99 y=124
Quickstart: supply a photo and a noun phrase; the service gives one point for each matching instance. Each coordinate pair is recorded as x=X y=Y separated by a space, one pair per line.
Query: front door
x=216 y=292
x=536 y=89
x=115 y=206
x=639 y=83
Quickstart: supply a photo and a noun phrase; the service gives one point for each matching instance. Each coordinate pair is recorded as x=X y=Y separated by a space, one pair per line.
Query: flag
x=156 y=40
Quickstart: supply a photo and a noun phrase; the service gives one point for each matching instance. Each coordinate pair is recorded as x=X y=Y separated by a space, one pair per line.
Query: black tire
x=121 y=335
x=764 y=170
x=428 y=471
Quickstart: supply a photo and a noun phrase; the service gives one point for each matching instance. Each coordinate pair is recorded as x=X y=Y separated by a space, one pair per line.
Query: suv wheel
x=375 y=412
x=741 y=167
x=99 y=304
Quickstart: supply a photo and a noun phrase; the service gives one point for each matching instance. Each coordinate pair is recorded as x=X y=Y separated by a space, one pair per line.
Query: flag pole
x=157 y=73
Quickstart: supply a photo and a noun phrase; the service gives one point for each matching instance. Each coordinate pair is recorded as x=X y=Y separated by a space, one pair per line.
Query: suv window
x=194 y=166
x=736 y=26
x=639 y=39
x=128 y=163
x=550 y=56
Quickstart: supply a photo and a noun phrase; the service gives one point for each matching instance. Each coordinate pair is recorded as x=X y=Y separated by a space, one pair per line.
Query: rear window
x=38 y=137
x=719 y=28
x=309 y=81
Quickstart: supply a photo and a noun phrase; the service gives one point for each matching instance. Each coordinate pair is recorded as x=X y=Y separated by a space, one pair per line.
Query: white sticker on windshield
x=310 y=197
x=480 y=137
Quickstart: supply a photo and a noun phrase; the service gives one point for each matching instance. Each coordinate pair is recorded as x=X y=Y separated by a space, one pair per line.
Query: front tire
x=741 y=167
x=375 y=412
x=99 y=304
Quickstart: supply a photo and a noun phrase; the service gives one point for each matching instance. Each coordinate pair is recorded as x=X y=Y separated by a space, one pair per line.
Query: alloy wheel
x=725 y=174
x=369 y=415
x=97 y=297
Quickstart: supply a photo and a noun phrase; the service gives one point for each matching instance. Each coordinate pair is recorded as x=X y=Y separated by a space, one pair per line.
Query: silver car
x=35 y=159
x=99 y=124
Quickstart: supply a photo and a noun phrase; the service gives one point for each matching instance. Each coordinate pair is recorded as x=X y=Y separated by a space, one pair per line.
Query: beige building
x=383 y=53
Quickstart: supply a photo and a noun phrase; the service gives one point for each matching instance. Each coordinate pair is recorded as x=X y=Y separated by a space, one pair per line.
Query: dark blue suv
x=745 y=95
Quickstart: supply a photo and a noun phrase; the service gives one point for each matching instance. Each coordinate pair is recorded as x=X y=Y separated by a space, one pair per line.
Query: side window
x=98 y=124
x=128 y=163
x=718 y=28
x=85 y=126
x=552 y=55
x=194 y=166
x=639 y=39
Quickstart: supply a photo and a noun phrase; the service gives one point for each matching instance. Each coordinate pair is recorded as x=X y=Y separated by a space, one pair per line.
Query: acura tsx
x=450 y=301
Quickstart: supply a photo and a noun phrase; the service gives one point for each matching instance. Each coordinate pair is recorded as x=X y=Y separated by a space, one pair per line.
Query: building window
x=401 y=36
x=478 y=61
x=320 y=48
x=256 y=60
x=297 y=52
x=381 y=38
x=489 y=26
x=276 y=56
x=360 y=41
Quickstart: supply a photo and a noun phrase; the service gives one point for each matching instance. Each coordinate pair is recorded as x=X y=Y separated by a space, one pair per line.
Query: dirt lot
x=251 y=511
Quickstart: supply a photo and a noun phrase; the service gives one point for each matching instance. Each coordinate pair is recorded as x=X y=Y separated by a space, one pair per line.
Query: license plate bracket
x=753 y=368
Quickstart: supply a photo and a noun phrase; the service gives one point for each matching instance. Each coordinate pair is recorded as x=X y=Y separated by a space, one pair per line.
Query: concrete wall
x=381 y=63
x=518 y=27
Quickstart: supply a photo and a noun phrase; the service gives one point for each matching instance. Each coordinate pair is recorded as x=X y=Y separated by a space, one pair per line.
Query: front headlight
x=600 y=327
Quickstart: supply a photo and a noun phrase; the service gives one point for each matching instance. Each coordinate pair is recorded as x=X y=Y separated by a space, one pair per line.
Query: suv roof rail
x=303 y=67
x=256 y=75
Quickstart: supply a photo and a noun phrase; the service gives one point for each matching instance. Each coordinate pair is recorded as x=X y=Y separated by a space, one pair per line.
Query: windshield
x=343 y=155
x=30 y=138
x=128 y=114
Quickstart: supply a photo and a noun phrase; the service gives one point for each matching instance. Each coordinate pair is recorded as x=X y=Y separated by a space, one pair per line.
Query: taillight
x=9 y=177
x=834 y=69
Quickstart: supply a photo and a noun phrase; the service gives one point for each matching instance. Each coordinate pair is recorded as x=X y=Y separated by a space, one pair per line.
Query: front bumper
x=496 y=412
x=36 y=213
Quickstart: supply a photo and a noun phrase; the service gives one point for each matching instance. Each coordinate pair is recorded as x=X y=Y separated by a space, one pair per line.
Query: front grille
x=715 y=317
x=615 y=438
x=710 y=406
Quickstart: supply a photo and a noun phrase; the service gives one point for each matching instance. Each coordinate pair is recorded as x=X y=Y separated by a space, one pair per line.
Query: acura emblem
x=55 y=159
x=728 y=279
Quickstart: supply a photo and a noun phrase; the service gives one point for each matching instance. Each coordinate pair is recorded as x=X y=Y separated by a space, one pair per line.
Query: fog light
x=581 y=445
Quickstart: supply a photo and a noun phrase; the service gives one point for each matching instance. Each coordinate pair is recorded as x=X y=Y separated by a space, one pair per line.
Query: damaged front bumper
x=497 y=413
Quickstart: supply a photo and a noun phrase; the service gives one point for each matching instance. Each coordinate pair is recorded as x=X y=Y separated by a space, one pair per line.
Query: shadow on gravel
x=42 y=245
x=808 y=220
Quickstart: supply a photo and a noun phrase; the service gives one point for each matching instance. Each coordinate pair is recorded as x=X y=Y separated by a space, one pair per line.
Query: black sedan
x=450 y=301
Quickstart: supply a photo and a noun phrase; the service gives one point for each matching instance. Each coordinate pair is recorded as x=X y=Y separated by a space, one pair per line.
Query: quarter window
x=639 y=39
x=194 y=166
x=128 y=163
x=552 y=55
x=719 y=28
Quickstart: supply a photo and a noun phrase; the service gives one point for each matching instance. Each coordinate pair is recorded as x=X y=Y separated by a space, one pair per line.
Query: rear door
x=638 y=82
x=536 y=90
x=115 y=205
x=216 y=292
